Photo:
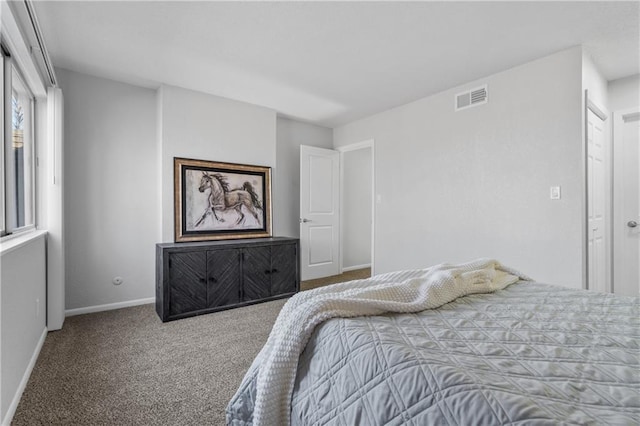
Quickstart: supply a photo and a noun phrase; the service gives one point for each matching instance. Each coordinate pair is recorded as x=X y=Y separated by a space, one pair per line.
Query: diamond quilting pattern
x=529 y=352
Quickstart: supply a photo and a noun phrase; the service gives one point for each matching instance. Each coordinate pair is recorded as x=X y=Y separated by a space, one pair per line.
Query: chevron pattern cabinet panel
x=199 y=278
x=187 y=278
x=223 y=277
x=257 y=273
x=284 y=278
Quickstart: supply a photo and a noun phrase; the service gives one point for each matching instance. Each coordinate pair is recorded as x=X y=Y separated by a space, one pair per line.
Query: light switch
x=555 y=192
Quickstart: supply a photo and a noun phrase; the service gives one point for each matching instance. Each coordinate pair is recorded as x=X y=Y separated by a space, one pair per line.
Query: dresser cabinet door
x=257 y=272
x=223 y=277
x=284 y=269
x=188 y=290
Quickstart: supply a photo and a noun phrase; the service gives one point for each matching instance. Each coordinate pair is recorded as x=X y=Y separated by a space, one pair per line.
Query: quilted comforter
x=530 y=353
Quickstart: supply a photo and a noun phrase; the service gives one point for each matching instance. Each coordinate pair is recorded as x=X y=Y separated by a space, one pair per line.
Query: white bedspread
x=276 y=364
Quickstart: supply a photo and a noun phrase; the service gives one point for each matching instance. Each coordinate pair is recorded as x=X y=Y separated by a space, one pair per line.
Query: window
x=17 y=155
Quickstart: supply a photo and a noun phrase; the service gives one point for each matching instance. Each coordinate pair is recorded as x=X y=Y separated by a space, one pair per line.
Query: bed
x=528 y=353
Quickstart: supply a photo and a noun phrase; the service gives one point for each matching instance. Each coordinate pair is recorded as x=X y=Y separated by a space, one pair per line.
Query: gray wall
x=286 y=200
x=455 y=186
x=110 y=190
x=624 y=93
x=205 y=127
x=356 y=208
x=23 y=315
x=120 y=144
x=593 y=82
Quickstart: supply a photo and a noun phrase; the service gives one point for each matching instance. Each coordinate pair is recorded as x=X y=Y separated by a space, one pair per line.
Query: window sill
x=12 y=243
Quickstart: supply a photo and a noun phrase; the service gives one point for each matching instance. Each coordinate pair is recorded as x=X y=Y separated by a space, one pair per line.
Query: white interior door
x=596 y=209
x=319 y=212
x=626 y=202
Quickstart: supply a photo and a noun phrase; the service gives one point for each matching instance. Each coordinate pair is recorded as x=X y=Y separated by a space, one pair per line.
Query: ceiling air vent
x=473 y=97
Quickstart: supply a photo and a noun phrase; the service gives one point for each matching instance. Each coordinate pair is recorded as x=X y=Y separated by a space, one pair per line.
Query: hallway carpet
x=345 y=276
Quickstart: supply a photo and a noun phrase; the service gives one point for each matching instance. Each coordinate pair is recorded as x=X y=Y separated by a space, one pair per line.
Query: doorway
x=337 y=212
x=319 y=212
x=357 y=213
x=598 y=196
x=626 y=202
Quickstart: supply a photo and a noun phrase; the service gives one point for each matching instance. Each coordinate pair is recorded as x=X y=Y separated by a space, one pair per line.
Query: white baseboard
x=108 y=307
x=25 y=379
x=353 y=268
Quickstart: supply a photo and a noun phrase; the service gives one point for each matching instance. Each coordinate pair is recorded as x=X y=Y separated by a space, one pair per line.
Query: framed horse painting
x=216 y=201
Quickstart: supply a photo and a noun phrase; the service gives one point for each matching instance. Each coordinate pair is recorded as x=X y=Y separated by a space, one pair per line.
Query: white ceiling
x=330 y=62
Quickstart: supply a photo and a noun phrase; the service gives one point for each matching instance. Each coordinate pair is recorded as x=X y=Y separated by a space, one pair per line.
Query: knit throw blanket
x=403 y=292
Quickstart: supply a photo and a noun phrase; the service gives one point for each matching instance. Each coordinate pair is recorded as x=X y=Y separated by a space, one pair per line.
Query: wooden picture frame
x=216 y=201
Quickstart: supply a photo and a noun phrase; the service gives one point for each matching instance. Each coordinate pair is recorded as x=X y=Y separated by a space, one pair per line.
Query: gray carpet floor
x=125 y=367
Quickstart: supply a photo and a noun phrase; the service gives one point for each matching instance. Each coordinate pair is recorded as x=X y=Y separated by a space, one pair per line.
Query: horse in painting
x=221 y=198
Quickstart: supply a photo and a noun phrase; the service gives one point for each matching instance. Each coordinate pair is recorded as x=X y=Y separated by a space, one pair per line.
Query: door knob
x=632 y=224
x=304 y=220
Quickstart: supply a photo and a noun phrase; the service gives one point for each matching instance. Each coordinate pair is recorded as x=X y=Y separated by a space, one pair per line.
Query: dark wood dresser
x=198 y=278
